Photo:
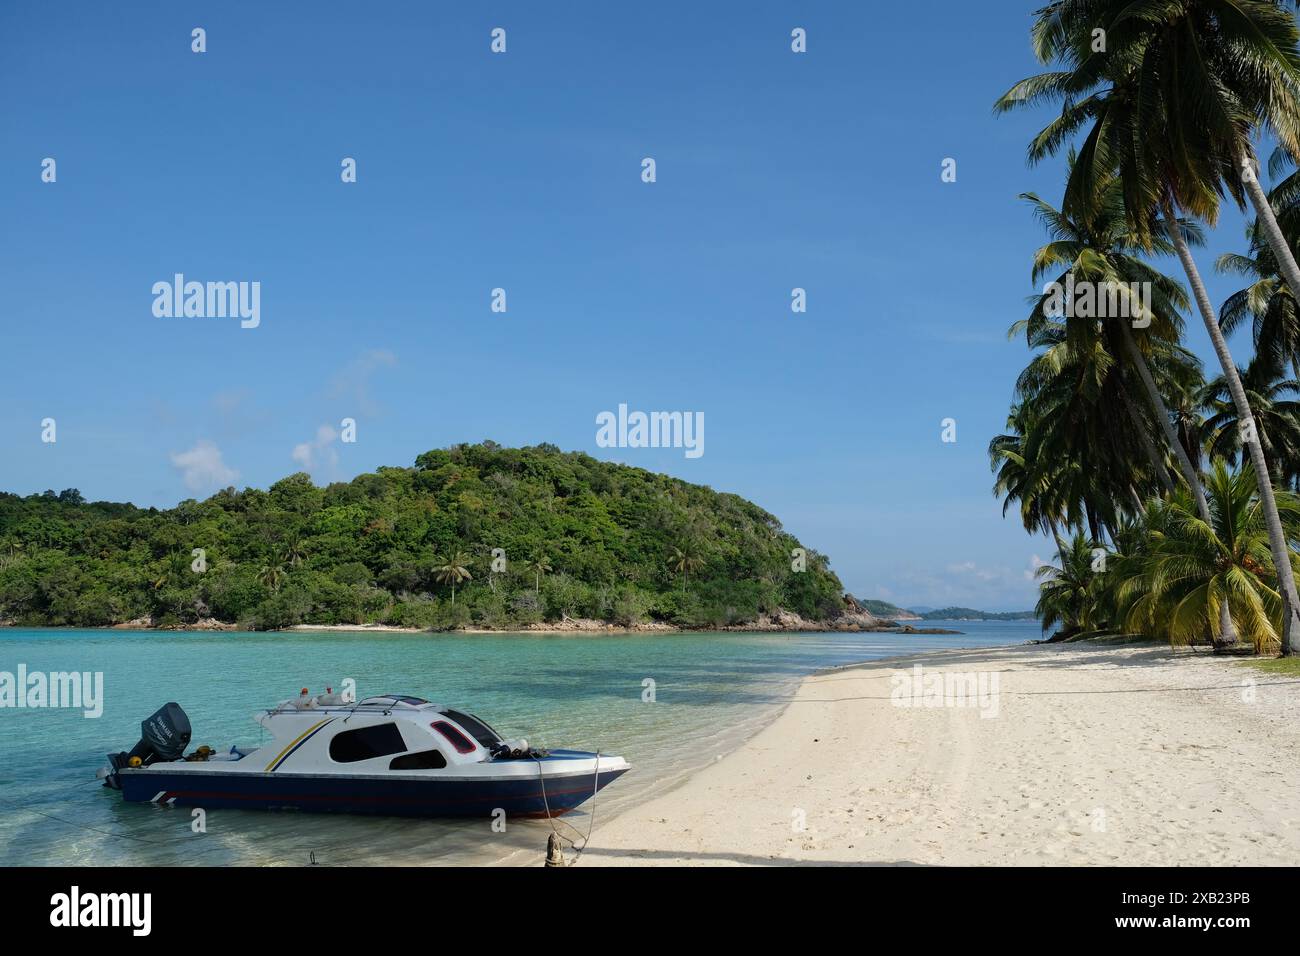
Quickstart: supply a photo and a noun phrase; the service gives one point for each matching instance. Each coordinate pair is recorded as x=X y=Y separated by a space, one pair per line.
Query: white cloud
x=1035 y=562
x=202 y=468
x=972 y=569
x=319 y=452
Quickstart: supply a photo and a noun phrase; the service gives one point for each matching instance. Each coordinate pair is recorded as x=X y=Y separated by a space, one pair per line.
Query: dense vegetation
x=414 y=546
x=971 y=614
x=1171 y=498
x=884 y=609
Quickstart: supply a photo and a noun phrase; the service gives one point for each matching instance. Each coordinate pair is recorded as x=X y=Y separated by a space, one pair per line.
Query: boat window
x=424 y=760
x=480 y=731
x=458 y=740
x=366 y=742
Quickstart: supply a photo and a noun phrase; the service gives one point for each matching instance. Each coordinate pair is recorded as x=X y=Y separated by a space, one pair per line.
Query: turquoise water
x=712 y=691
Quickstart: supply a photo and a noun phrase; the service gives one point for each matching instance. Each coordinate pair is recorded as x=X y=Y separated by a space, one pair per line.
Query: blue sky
x=522 y=171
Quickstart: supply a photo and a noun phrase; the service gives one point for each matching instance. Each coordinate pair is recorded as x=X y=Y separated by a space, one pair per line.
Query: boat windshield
x=476 y=728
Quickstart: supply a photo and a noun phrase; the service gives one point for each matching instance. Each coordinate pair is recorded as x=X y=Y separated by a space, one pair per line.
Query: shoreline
x=1130 y=754
x=572 y=628
x=663 y=787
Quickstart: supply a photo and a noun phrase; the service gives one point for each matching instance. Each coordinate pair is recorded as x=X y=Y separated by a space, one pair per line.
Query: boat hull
x=390 y=796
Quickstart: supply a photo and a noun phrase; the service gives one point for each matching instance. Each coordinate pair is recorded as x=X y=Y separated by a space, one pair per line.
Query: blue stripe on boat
x=393 y=796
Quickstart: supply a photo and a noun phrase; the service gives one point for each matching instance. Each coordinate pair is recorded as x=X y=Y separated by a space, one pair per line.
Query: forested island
x=476 y=535
x=973 y=614
x=886 y=609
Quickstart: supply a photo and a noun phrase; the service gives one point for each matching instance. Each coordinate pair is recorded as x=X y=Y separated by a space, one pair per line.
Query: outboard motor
x=163 y=737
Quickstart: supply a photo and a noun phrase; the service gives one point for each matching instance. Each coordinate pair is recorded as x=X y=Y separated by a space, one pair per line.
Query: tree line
x=1171 y=497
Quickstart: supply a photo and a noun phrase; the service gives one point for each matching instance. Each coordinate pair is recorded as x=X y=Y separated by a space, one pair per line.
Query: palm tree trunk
x=1227 y=630
x=1140 y=508
x=1286 y=264
x=1060 y=545
x=1166 y=424
x=1273 y=461
x=1276 y=537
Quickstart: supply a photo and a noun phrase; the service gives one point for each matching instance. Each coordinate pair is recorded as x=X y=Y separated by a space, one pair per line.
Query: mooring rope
x=26 y=807
x=591 y=822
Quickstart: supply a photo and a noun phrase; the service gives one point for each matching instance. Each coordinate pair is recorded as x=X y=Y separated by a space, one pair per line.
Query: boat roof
x=381 y=703
x=399 y=700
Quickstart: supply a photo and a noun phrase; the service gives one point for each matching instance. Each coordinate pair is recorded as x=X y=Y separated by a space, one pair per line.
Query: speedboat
x=392 y=754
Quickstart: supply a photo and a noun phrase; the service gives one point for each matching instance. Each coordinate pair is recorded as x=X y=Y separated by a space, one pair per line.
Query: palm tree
x=685 y=560
x=1097 y=246
x=1023 y=481
x=1276 y=419
x=294 y=552
x=1191 y=569
x=1184 y=391
x=271 y=573
x=1171 y=102
x=13 y=553
x=175 y=569
x=1065 y=461
x=1268 y=304
x=452 y=571
x=1077 y=386
x=1069 y=594
x=1014 y=482
x=538 y=565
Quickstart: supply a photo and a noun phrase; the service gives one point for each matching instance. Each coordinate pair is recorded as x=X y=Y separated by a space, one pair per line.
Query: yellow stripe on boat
x=305 y=734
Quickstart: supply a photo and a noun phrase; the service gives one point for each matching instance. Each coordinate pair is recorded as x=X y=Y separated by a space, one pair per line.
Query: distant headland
x=894 y=612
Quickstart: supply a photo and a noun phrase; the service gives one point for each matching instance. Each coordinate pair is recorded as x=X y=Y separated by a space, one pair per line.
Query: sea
x=669 y=703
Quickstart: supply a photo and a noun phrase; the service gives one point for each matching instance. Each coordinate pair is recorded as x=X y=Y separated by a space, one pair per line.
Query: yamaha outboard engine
x=163 y=737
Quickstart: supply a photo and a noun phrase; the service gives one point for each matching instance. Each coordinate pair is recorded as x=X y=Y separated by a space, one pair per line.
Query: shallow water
x=712 y=691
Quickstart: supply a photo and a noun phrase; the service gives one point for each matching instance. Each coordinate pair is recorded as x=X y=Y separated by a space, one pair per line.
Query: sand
x=377 y=628
x=1094 y=756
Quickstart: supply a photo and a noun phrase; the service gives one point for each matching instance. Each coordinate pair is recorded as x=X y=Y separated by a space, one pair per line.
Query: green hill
x=884 y=609
x=579 y=537
x=971 y=614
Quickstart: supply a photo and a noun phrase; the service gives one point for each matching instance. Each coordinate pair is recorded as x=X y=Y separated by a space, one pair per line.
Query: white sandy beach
x=1097 y=755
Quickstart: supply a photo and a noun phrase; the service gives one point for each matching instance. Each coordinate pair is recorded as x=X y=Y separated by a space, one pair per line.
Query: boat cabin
x=374 y=735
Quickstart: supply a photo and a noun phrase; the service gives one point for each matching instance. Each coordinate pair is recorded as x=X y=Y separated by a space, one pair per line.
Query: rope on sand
x=554 y=853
